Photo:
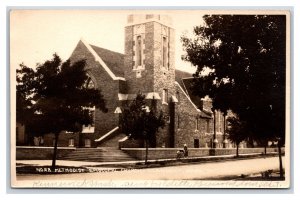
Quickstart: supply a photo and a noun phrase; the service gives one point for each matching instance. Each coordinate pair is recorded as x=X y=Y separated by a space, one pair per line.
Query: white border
x=4 y=84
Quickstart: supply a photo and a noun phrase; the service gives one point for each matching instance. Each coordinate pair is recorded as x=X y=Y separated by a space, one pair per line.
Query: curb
x=182 y=161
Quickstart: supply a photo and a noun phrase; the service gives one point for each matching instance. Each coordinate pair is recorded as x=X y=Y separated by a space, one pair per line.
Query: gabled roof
x=179 y=75
x=113 y=63
x=201 y=113
x=188 y=83
x=98 y=58
x=113 y=60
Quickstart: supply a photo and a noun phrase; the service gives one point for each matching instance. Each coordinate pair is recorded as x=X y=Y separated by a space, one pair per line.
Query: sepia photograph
x=150 y=98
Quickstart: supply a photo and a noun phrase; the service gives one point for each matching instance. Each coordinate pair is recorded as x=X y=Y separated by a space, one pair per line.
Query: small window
x=87 y=143
x=207 y=126
x=165 y=96
x=196 y=143
x=178 y=96
x=197 y=123
x=178 y=121
x=71 y=142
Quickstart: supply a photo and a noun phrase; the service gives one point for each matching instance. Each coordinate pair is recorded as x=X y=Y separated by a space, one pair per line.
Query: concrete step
x=105 y=154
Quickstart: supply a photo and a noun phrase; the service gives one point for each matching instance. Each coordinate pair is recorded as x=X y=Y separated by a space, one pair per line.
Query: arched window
x=89 y=83
x=139 y=51
x=165 y=52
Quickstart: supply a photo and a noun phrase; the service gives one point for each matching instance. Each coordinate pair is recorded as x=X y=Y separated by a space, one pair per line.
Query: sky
x=35 y=35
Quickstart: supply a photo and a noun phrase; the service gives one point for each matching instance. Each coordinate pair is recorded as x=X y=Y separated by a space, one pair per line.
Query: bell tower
x=149 y=54
x=149 y=65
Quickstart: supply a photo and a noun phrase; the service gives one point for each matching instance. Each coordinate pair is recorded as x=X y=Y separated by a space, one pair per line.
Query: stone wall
x=232 y=151
x=186 y=117
x=145 y=82
x=164 y=78
x=169 y=153
x=130 y=143
x=63 y=139
x=40 y=153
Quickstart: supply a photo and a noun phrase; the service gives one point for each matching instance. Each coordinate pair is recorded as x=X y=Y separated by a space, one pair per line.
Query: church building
x=147 y=66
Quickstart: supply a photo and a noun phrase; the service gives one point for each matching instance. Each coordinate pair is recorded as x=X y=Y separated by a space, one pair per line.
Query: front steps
x=104 y=154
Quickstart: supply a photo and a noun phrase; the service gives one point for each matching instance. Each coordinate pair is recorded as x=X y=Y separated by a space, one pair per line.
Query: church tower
x=149 y=53
x=150 y=63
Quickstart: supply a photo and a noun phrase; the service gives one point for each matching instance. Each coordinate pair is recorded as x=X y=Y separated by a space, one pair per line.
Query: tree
x=245 y=58
x=54 y=98
x=237 y=132
x=138 y=121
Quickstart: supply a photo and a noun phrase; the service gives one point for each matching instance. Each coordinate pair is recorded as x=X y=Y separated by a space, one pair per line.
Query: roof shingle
x=114 y=60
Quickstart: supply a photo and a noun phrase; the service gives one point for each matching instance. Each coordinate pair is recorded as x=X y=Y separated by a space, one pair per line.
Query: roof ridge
x=176 y=83
x=122 y=54
x=102 y=63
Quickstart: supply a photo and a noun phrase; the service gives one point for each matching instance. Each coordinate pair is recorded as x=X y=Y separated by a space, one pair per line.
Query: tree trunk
x=146 y=158
x=280 y=160
x=237 y=150
x=224 y=128
x=265 y=149
x=55 y=152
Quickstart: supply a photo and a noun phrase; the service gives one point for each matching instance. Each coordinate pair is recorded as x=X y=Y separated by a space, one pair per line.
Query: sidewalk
x=171 y=161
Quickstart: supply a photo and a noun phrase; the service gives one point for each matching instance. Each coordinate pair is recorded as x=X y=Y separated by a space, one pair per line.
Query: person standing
x=185 y=150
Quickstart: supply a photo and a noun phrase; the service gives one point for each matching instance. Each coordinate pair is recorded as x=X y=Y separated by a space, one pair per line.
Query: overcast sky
x=36 y=34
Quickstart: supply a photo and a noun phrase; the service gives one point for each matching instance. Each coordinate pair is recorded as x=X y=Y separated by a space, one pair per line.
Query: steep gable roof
x=179 y=75
x=113 y=60
x=99 y=59
x=188 y=83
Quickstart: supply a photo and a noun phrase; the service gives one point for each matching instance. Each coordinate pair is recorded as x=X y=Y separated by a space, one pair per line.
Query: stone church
x=147 y=66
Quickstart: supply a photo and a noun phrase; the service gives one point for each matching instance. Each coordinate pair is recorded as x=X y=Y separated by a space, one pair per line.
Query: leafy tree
x=237 y=132
x=54 y=98
x=244 y=57
x=140 y=122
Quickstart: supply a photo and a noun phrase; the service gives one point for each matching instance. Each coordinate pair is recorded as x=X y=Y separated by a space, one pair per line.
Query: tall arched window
x=89 y=83
x=165 y=52
x=139 y=51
